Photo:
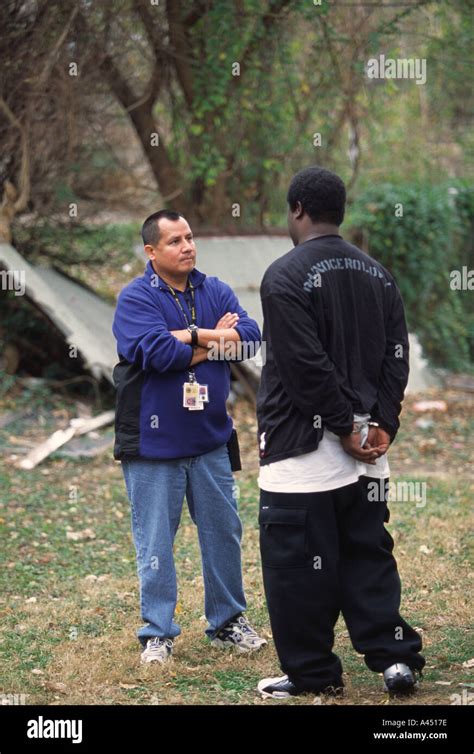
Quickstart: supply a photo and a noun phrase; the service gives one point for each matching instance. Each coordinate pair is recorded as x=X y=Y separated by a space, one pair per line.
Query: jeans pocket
x=283 y=537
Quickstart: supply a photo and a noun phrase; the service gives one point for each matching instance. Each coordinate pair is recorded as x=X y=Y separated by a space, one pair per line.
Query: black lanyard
x=192 y=374
x=193 y=309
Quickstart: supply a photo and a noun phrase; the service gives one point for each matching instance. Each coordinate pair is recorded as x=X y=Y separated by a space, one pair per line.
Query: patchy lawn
x=69 y=592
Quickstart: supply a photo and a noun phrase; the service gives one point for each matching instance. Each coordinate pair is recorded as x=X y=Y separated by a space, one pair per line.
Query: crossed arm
x=223 y=333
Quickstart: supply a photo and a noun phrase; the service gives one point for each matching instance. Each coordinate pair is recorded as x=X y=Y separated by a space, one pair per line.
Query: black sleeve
x=395 y=368
x=306 y=371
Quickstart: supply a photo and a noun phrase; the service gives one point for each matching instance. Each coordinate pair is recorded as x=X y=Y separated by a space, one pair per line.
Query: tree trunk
x=166 y=174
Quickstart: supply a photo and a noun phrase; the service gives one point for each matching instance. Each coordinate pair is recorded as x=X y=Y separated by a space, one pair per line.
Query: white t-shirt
x=326 y=468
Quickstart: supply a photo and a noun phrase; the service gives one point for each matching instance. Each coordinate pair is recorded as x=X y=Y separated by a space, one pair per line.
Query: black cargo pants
x=324 y=553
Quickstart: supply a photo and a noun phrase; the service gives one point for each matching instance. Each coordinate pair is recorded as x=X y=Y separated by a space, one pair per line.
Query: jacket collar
x=196 y=277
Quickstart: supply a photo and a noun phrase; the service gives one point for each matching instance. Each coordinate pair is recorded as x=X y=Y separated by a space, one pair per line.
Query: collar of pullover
x=195 y=276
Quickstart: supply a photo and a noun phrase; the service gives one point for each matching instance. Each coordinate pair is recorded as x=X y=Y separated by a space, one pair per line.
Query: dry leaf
x=421 y=406
x=61 y=687
x=80 y=536
x=425 y=550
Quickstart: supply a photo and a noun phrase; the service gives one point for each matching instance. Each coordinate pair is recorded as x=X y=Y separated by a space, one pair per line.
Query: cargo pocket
x=283 y=537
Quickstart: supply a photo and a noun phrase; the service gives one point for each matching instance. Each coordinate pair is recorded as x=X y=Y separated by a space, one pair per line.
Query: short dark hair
x=322 y=194
x=151 y=229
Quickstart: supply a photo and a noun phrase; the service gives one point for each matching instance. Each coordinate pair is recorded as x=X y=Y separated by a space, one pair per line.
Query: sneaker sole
x=402 y=690
x=219 y=644
x=145 y=661
x=277 y=695
x=285 y=695
x=271 y=695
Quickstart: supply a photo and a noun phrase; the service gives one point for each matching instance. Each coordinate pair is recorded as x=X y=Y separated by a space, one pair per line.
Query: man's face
x=175 y=252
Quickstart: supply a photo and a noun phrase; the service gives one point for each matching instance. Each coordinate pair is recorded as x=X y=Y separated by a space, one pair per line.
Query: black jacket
x=336 y=344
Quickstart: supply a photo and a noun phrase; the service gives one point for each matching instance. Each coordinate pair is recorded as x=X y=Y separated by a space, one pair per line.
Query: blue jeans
x=156 y=490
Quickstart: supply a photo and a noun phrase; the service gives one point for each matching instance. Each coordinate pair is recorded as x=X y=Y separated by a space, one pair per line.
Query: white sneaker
x=277 y=688
x=240 y=635
x=157 y=650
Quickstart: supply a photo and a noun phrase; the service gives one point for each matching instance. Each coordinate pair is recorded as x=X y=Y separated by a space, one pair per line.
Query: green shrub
x=66 y=244
x=433 y=237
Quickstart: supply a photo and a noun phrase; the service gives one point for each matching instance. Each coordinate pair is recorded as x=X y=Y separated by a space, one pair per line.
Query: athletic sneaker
x=157 y=650
x=277 y=688
x=283 y=688
x=399 y=679
x=238 y=633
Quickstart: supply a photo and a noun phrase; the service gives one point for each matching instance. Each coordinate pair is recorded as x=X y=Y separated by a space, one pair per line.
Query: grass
x=69 y=609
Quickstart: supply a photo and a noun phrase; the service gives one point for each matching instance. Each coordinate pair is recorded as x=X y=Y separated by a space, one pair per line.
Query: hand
x=378 y=438
x=228 y=321
x=367 y=454
x=351 y=445
x=199 y=354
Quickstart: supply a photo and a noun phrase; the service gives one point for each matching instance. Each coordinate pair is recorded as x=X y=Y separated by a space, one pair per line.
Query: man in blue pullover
x=176 y=332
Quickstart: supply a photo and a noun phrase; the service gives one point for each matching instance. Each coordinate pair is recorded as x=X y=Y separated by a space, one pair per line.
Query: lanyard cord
x=193 y=308
x=192 y=374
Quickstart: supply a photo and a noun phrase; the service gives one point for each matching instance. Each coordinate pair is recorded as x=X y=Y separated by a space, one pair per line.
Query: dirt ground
x=69 y=594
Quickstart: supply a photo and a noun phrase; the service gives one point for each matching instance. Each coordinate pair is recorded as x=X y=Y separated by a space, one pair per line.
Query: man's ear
x=299 y=211
x=150 y=251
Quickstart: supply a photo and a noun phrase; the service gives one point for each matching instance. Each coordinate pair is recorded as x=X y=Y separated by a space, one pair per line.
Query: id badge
x=204 y=393
x=203 y=397
x=191 y=395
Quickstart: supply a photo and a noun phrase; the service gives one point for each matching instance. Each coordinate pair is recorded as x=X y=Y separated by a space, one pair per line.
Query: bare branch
x=179 y=44
x=22 y=194
x=269 y=18
x=52 y=56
